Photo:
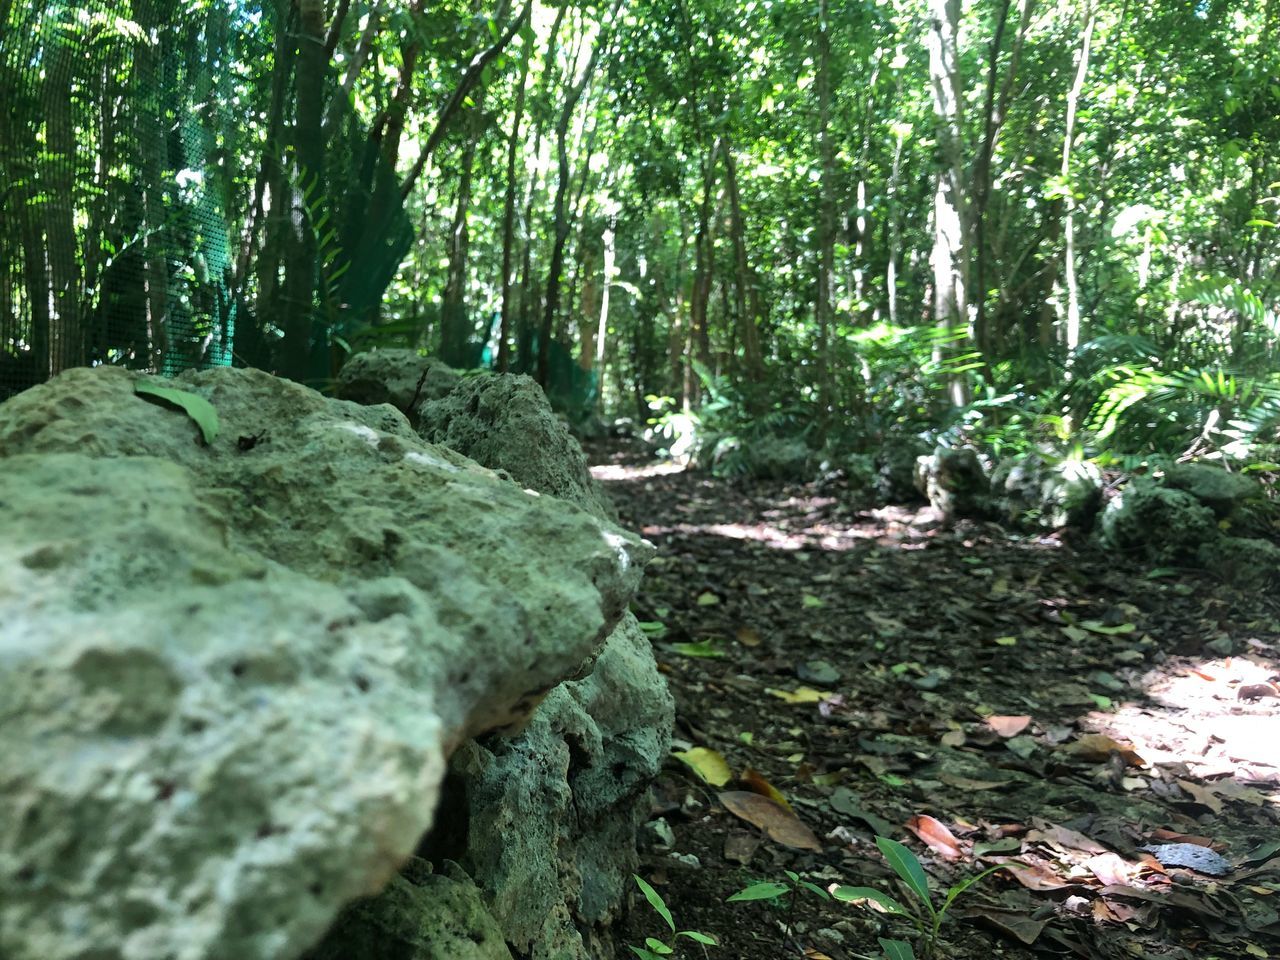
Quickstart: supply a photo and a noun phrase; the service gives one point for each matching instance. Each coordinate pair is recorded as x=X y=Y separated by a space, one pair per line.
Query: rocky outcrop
x=402 y=378
x=545 y=823
x=234 y=672
x=1040 y=492
x=1157 y=523
x=955 y=483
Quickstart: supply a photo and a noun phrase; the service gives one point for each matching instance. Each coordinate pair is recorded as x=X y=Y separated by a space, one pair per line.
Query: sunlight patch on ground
x=612 y=471
x=1215 y=719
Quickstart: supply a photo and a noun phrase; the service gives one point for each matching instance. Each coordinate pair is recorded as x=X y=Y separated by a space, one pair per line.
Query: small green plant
x=655 y=949
x=774 y=892
x=926 y=918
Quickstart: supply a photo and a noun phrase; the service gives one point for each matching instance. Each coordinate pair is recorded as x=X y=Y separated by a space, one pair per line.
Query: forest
x=933 y=344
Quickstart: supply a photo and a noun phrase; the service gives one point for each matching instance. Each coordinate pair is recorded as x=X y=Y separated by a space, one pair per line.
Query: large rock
x=402 y=378
x=955 y=483
x=1222 y=492
x=233 y=673
x=1249 y=563
x=895 y=461
x=1045 y=493
x=545 y=822
x=1157 y=523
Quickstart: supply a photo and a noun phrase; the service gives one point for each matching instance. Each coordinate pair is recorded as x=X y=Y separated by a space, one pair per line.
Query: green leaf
x=655 y=901
x=964 y=885
x=816 y=889
x=653 y=628
x=658 y=947
x=886 y=902
x=703 y=648
x=196 y=407
x=905 y=865
x=760 y=891
x=699 y=937
x=896 y=949
x=642 y=953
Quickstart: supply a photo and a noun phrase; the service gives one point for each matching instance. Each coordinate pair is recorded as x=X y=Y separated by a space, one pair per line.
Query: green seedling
x=655 y=949
x=926 y=918
x=774 y=892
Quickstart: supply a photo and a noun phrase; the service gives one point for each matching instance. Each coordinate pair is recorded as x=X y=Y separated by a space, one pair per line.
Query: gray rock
x=1247 y=562
x=550 y=817
x=771 y=457
x=235 y=671
x=954 y=482
x=402 y=378
x=505 y=422
x=1220 y=491
x=895 y=480
x=421 y=915
x=1038 y=492
x=1158 y=524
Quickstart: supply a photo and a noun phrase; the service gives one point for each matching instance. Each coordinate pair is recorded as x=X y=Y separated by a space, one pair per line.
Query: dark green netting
x=153 y=213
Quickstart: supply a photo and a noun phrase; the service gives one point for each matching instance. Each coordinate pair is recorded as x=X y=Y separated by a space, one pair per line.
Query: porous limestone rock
x=954 y=482
x=421 y=915
x=1249 y=563
x=1220 y=491
x=504 y=422
x=233 y=673
x=1157 y=523
x=1041 y=492
x=896 y=469
x=402 y=378
x=545 y=822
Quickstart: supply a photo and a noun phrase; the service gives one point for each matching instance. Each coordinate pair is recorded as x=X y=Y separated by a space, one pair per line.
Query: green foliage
x=924 y=916
x=200 y=410
x=775 y=892
x=655 y=948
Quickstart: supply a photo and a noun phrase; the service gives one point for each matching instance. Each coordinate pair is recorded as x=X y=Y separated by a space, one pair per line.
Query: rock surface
x=954 y=482
x=1161 y=525
x=545 y=822
x=237 y=670
x=402 y=378
x=1037 y=492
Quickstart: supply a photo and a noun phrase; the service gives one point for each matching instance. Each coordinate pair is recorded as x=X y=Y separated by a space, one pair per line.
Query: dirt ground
x=842 y=673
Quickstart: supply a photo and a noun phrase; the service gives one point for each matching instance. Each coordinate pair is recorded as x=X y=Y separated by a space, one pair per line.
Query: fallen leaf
x=1201 y=795
x=799 y=695
x=756 y=783
x=740 y=847
x=706 y=763
x=778 y=822
x=968 y=783
x=1099 y=747
x=810 y=601
x=953 y=738
x=1111 y=869
x=1008 y=726
x=1097 y=626
x=747 y=636
x=707 y=599
x=703 y=648
x=1034 y=875
x=936 y=837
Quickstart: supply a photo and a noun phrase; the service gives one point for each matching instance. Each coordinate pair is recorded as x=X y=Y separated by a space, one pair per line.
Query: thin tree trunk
x=825 y=234
x=744 y=286
x=60 y=142
x=453 y=308
x=509 y=216
x=1072 y=328
x=560 y=230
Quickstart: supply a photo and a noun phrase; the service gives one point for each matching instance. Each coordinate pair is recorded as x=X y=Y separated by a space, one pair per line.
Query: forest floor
x=980 y=696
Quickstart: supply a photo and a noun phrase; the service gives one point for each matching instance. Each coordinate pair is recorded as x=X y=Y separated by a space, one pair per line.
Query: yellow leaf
x=706 y=763
x=799 y=695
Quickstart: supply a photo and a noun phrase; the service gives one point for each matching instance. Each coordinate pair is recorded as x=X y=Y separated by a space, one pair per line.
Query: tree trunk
x=454 y=323
x=509 y=216
x=560 y=229
x=744 y=287
x=1072 y=326
x=950 y=249
x=825 y=235
x=60 y=141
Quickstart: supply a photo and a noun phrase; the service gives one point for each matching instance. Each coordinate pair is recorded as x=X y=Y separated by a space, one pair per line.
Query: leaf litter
x=986 y=698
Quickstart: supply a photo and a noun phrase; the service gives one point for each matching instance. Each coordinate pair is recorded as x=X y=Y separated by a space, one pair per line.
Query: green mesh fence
x=151 y=212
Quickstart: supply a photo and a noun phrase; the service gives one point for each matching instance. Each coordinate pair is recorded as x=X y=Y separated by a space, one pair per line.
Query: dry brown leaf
x=1201 y=795
x=936 y=837
x=953 y=738
x=1034 y=875
x=968 y=783
x=747 y=636
x=1111 y=869
x=1008 y=726
x=1099 y=747
x=756 y=783
x=778 y=822
x=1063 y=838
